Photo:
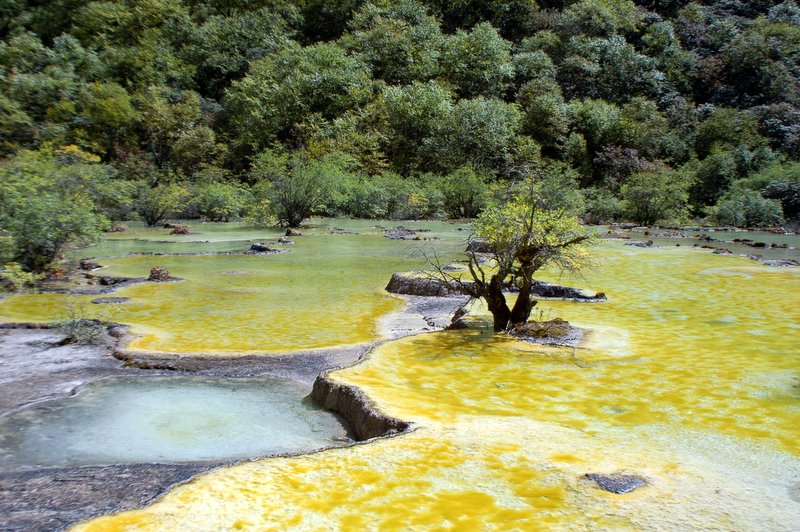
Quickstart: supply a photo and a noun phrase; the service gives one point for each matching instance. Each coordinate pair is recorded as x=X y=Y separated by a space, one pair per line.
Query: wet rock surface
x=54 y=499
x=38 y=366
x=110 y=300
x=400 y=233
x=617 y=483
x=421 y=286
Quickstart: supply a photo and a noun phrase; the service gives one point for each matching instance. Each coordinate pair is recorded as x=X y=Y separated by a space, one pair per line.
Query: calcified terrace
x=689 y=378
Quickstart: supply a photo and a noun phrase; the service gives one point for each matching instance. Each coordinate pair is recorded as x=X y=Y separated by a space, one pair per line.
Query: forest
x=654 y=111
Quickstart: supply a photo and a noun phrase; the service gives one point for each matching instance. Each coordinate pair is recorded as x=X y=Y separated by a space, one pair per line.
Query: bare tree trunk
x=496 y=302
x=523 y=305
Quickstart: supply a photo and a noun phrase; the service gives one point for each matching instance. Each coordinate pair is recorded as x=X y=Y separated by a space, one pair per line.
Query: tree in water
x=524 y=235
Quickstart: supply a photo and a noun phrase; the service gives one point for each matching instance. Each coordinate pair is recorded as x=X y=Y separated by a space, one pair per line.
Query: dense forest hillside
x=648 y=111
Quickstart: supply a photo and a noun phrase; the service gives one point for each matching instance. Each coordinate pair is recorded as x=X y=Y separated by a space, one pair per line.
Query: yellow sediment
x=690 y=379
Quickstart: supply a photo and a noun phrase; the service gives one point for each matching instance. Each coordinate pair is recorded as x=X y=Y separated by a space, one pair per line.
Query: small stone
x=617 y=483
x=110 y=300
x=260 y=248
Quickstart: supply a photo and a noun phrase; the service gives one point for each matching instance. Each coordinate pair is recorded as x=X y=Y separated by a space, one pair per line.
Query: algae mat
x=690 y=380
x=326 y=291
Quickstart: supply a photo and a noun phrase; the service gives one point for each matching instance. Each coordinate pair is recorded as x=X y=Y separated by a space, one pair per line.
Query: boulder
x=554 y=291
x=285 y=240
x=88 y=264
x=414 y=286
x=293 y=232
x=479 y=246
x=260 y=248
x=180 y=230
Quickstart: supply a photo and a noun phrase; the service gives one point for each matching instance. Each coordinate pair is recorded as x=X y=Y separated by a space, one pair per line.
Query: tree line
x=649 y=111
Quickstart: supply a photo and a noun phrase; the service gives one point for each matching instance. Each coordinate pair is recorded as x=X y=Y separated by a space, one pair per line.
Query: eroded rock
x=355 y=407
x=415 y=286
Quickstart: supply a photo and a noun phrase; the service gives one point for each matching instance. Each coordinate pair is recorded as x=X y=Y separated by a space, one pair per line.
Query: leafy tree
x=167 y=118
x=478 y=63
x=465 y=192
x=547 y=118
x=400 y=42
x=479 y=132
x=297 y=186
x=747 y=208
x=653 y=196
x=600 y=18
x=155 y=203
x=414 y=115
x=526 y=235
x=294 y=86
x=220 y=201
x=108 y=115
x=49 y=199
x=223 y=47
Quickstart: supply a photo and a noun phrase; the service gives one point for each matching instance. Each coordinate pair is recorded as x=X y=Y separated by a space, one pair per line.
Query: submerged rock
x=639 y=244
x=617 y=483
x=400 y=233
x=293 y=232
x=110 y=300
x=285 y=240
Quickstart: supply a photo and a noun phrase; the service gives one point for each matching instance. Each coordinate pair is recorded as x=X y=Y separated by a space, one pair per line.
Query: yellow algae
x=683 y=394
x=327 y=290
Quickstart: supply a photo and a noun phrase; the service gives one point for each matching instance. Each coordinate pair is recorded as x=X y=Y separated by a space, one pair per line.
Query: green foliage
x=465 y=192
x=50 y=199
x=747 y=208
x=220 y=202
x=400 y=42
x=601 y=206
x=407 y=88
x=16 y=279
x=526 y=234
x=298 y=186
x=478 y=63
x=293 y=88
x=650 y=197
x=156 y=203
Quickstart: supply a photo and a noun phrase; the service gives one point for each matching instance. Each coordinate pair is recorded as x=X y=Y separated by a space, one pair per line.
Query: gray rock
x=617 y=482
x=110 y=300
x=479 y=246
x=260 y=248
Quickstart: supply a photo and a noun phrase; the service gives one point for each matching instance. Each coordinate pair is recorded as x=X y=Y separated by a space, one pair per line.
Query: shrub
x=16 y=278
x=465 y=192
x=747 y=208
x=78 y=327
x=219 y=202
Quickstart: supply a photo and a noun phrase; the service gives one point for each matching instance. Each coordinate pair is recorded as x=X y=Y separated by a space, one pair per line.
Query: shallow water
x=326 y=291
x=690 y=378
x=167 y=419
